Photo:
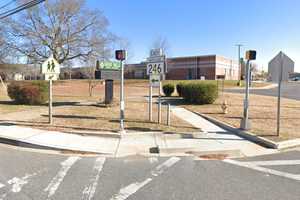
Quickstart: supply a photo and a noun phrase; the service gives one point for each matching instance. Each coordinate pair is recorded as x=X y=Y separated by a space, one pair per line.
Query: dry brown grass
x=69 y=116
x=262 y=113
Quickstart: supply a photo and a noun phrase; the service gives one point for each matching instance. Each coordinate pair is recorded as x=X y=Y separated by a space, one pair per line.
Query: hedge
x=179 y=87
x=28 y=92
x=198 y=93
x=168 y=89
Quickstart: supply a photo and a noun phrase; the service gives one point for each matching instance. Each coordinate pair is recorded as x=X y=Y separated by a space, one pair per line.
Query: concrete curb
x=231 y=153
x=20 y=143
x=252 y=137
x=94 y=134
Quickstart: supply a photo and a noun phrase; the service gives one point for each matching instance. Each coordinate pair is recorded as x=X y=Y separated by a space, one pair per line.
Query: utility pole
x=239 y=61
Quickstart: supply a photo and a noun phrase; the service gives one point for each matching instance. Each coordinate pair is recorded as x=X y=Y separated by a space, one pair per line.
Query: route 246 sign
x=155 y=68
x=51 y=69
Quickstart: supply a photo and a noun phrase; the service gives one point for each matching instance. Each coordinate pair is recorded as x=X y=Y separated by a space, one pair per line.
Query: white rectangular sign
x=110 y=74
x=155 y=68
x=53 y=77
x=154 y=80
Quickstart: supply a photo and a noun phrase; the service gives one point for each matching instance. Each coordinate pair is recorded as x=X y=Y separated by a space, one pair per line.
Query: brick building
x=192 y=67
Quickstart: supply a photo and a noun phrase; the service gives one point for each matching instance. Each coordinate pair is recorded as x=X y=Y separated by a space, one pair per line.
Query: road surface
x=28 y=175
x=290 y=90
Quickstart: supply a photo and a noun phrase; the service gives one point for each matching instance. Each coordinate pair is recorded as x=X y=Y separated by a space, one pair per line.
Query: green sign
x=108 y=65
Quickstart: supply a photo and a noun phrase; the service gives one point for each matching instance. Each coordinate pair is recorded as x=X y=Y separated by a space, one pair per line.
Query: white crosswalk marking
x=17 y=183
x=153 y=160
x=253 y=166
x=129 y=190
x=89 y=191
x=275 y=162
x=56 y=181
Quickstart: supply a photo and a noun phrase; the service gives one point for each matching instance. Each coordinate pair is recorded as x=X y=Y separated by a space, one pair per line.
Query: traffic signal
x=251 y=55
x=120 y=54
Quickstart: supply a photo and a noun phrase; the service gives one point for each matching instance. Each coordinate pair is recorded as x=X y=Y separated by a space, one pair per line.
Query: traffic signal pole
x=121 y=56
x=122 y=103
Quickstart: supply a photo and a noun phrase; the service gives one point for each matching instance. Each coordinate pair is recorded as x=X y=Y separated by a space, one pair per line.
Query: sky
x=202 y=27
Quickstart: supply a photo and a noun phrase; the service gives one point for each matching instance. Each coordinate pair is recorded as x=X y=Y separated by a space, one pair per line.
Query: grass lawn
x=101 y=118
x=69 y=115
x=262 y=113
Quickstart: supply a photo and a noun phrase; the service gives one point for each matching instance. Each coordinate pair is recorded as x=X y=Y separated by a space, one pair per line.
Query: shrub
x=28 y=93
x=199 y=93
x=168 y=89
x=179 y=87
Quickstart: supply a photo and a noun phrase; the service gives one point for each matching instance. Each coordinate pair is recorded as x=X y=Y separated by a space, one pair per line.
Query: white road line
x=161 y=168
x=18 y=183
x=129 y=190
x=153 y=160
x=89 y=191
x=56 y=181
x=263 y=169
x=275 y=162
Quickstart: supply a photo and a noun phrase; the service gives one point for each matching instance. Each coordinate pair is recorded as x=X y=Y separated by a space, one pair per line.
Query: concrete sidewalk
x=213 y=140
x=222 y=138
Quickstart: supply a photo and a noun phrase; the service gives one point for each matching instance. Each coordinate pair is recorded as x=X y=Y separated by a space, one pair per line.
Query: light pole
x=239 y=61
x=245 y=124
x=121 y=56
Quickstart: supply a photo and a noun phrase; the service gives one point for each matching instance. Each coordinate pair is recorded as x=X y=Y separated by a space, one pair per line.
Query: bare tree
x=66 y=29
x=161 y=43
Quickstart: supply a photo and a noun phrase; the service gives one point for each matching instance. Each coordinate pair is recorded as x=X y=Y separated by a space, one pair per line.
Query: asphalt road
x=290 y=90
x=31 y=175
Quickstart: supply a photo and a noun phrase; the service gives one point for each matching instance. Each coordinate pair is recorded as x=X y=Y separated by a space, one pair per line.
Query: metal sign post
x=159 y=103
x=156 y=67
x=279 y=95
x=50 y=69
x=50 y=102
x=121 y=56
x=150 y=101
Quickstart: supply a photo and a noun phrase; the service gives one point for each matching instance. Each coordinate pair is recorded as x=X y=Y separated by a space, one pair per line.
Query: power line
x=20 y=8
x=8 y=4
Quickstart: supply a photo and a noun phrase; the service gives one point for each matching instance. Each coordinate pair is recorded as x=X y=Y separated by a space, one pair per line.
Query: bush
x=199 y=93
x=28 y=93
x=179 y=87
x=168 y=89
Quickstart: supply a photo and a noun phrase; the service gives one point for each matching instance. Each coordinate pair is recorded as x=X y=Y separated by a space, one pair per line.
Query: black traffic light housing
x=120 y=54
x=251 y=55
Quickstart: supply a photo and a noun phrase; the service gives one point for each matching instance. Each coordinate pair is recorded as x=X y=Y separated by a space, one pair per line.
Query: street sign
x=156 y=52
x=155 y=68
x=110 y=74
x=110 y=65
x=51 y=69
x=155 y=80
